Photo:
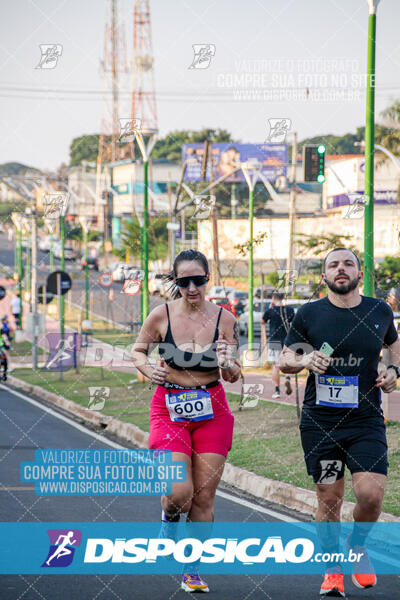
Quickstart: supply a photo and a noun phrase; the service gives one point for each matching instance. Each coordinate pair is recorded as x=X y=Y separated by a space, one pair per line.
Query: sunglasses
x=198 y=280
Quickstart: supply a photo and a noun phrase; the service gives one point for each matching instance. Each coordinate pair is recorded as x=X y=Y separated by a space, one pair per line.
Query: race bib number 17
x=339 y=391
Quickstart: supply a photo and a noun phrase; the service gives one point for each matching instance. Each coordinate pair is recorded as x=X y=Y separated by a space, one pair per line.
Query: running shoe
x=288 y=386
x=363 y=572
x=169 y=529
x=276 y=394
x=192 y=582
x=4 y=377
x=333 y=583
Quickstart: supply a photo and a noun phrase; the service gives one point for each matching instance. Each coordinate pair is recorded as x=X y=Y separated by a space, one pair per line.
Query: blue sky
x=292 y=45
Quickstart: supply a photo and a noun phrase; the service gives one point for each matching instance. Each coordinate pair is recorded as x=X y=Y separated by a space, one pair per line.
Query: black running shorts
x=361 y=446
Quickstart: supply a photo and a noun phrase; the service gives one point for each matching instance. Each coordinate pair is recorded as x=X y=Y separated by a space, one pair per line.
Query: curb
x=278 y=492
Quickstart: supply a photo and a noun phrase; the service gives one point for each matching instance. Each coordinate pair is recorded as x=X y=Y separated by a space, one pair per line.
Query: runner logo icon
x=330 y=469
x=62 y=547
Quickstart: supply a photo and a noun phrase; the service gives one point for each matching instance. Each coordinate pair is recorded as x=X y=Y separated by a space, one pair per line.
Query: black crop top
x=182 y=360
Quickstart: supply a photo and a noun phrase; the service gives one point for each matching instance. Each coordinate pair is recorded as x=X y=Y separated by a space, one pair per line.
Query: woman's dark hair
x=183 y=256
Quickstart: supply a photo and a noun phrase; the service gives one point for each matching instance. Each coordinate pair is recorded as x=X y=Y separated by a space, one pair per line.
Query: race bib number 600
x=192 y=405
x=339 y=391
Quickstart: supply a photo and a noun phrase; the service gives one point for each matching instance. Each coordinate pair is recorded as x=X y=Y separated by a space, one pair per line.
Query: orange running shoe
x=363 y=572
x=333 y=584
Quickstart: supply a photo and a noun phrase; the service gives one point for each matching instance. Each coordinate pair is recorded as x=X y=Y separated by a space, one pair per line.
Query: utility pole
x=369 y=155
x=290 y=264
x=170 y=232
x=214 y=214
x=234 y=201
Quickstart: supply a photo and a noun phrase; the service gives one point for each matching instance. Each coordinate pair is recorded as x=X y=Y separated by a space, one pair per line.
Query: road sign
x=173 y=226
x=2 y=292
x=52 y=282
x=41 y=291
x=105 y=279
x=132 y=287
x=62 y=351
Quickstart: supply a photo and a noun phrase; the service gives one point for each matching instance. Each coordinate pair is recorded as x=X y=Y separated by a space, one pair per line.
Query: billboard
x=227 y=156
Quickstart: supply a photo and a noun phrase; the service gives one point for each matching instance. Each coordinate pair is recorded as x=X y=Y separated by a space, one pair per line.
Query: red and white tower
x=143 y=87
x=116 y=72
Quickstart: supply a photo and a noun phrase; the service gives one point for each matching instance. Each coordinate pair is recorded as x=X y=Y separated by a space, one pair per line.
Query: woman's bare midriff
x=189 y=378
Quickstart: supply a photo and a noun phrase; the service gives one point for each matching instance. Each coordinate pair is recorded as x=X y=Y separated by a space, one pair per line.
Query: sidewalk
x=101 y=354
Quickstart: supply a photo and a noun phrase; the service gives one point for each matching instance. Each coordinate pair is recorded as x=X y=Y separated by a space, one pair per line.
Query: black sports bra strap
x=166 y=306
x=216 y=329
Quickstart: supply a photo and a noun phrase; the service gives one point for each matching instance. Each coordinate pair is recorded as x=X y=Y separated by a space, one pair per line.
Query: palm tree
x=390 y=137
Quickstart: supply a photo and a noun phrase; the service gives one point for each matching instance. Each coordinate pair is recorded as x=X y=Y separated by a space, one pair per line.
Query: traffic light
x=314 y=163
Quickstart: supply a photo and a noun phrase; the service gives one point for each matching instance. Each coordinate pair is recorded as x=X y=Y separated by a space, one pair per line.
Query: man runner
x=342 y=421
x=279 y=318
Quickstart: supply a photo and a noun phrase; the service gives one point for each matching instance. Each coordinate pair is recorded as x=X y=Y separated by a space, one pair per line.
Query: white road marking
x=108 y=442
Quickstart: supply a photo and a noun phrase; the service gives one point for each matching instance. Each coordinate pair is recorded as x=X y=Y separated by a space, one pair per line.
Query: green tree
x=158 y=239
x=84 y=147
x=273 y=278
x=170 y=147
x=336 y=144
x=390 y=138
x=387 y=273
x=75 y=232
x=319 y=246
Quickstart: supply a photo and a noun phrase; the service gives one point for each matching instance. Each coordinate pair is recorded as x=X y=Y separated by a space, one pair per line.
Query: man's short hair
x=337 y=250
x=278 y=295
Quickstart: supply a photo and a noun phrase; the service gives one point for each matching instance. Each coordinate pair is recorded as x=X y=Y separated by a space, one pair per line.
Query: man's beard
x=343 y=289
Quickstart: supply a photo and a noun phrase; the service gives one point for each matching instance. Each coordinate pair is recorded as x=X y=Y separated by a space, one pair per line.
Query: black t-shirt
x=279 y=318
x=357 y=335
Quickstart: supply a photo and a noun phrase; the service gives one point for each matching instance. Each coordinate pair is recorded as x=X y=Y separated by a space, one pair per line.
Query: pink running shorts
x=191 y=437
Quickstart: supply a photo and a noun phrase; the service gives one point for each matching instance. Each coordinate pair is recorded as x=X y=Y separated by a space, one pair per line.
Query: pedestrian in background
x=6 y=330
x=16 y=310
x=280 y=318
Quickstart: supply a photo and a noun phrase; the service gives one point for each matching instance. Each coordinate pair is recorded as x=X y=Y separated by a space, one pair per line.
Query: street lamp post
x=251 y=170
x=369 y=155
x=55 y=208
x=84 y=221
x=17 y=219
x=62 y=266
x=145 y=150
x=26 y=225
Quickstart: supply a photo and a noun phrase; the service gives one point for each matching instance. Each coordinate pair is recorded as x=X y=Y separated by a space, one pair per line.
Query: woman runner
x=197 y=343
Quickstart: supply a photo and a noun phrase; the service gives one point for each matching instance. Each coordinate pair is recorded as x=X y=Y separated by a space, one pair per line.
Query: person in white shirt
x=16 y=310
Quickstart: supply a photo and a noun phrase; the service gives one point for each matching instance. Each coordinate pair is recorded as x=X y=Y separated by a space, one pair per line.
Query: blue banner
x=230 y=548
x=227 y=156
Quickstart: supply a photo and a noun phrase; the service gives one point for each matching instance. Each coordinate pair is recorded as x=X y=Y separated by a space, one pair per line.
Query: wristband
x=395 y=368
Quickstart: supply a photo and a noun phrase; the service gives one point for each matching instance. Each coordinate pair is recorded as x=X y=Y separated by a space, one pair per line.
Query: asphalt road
x=25 y=427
